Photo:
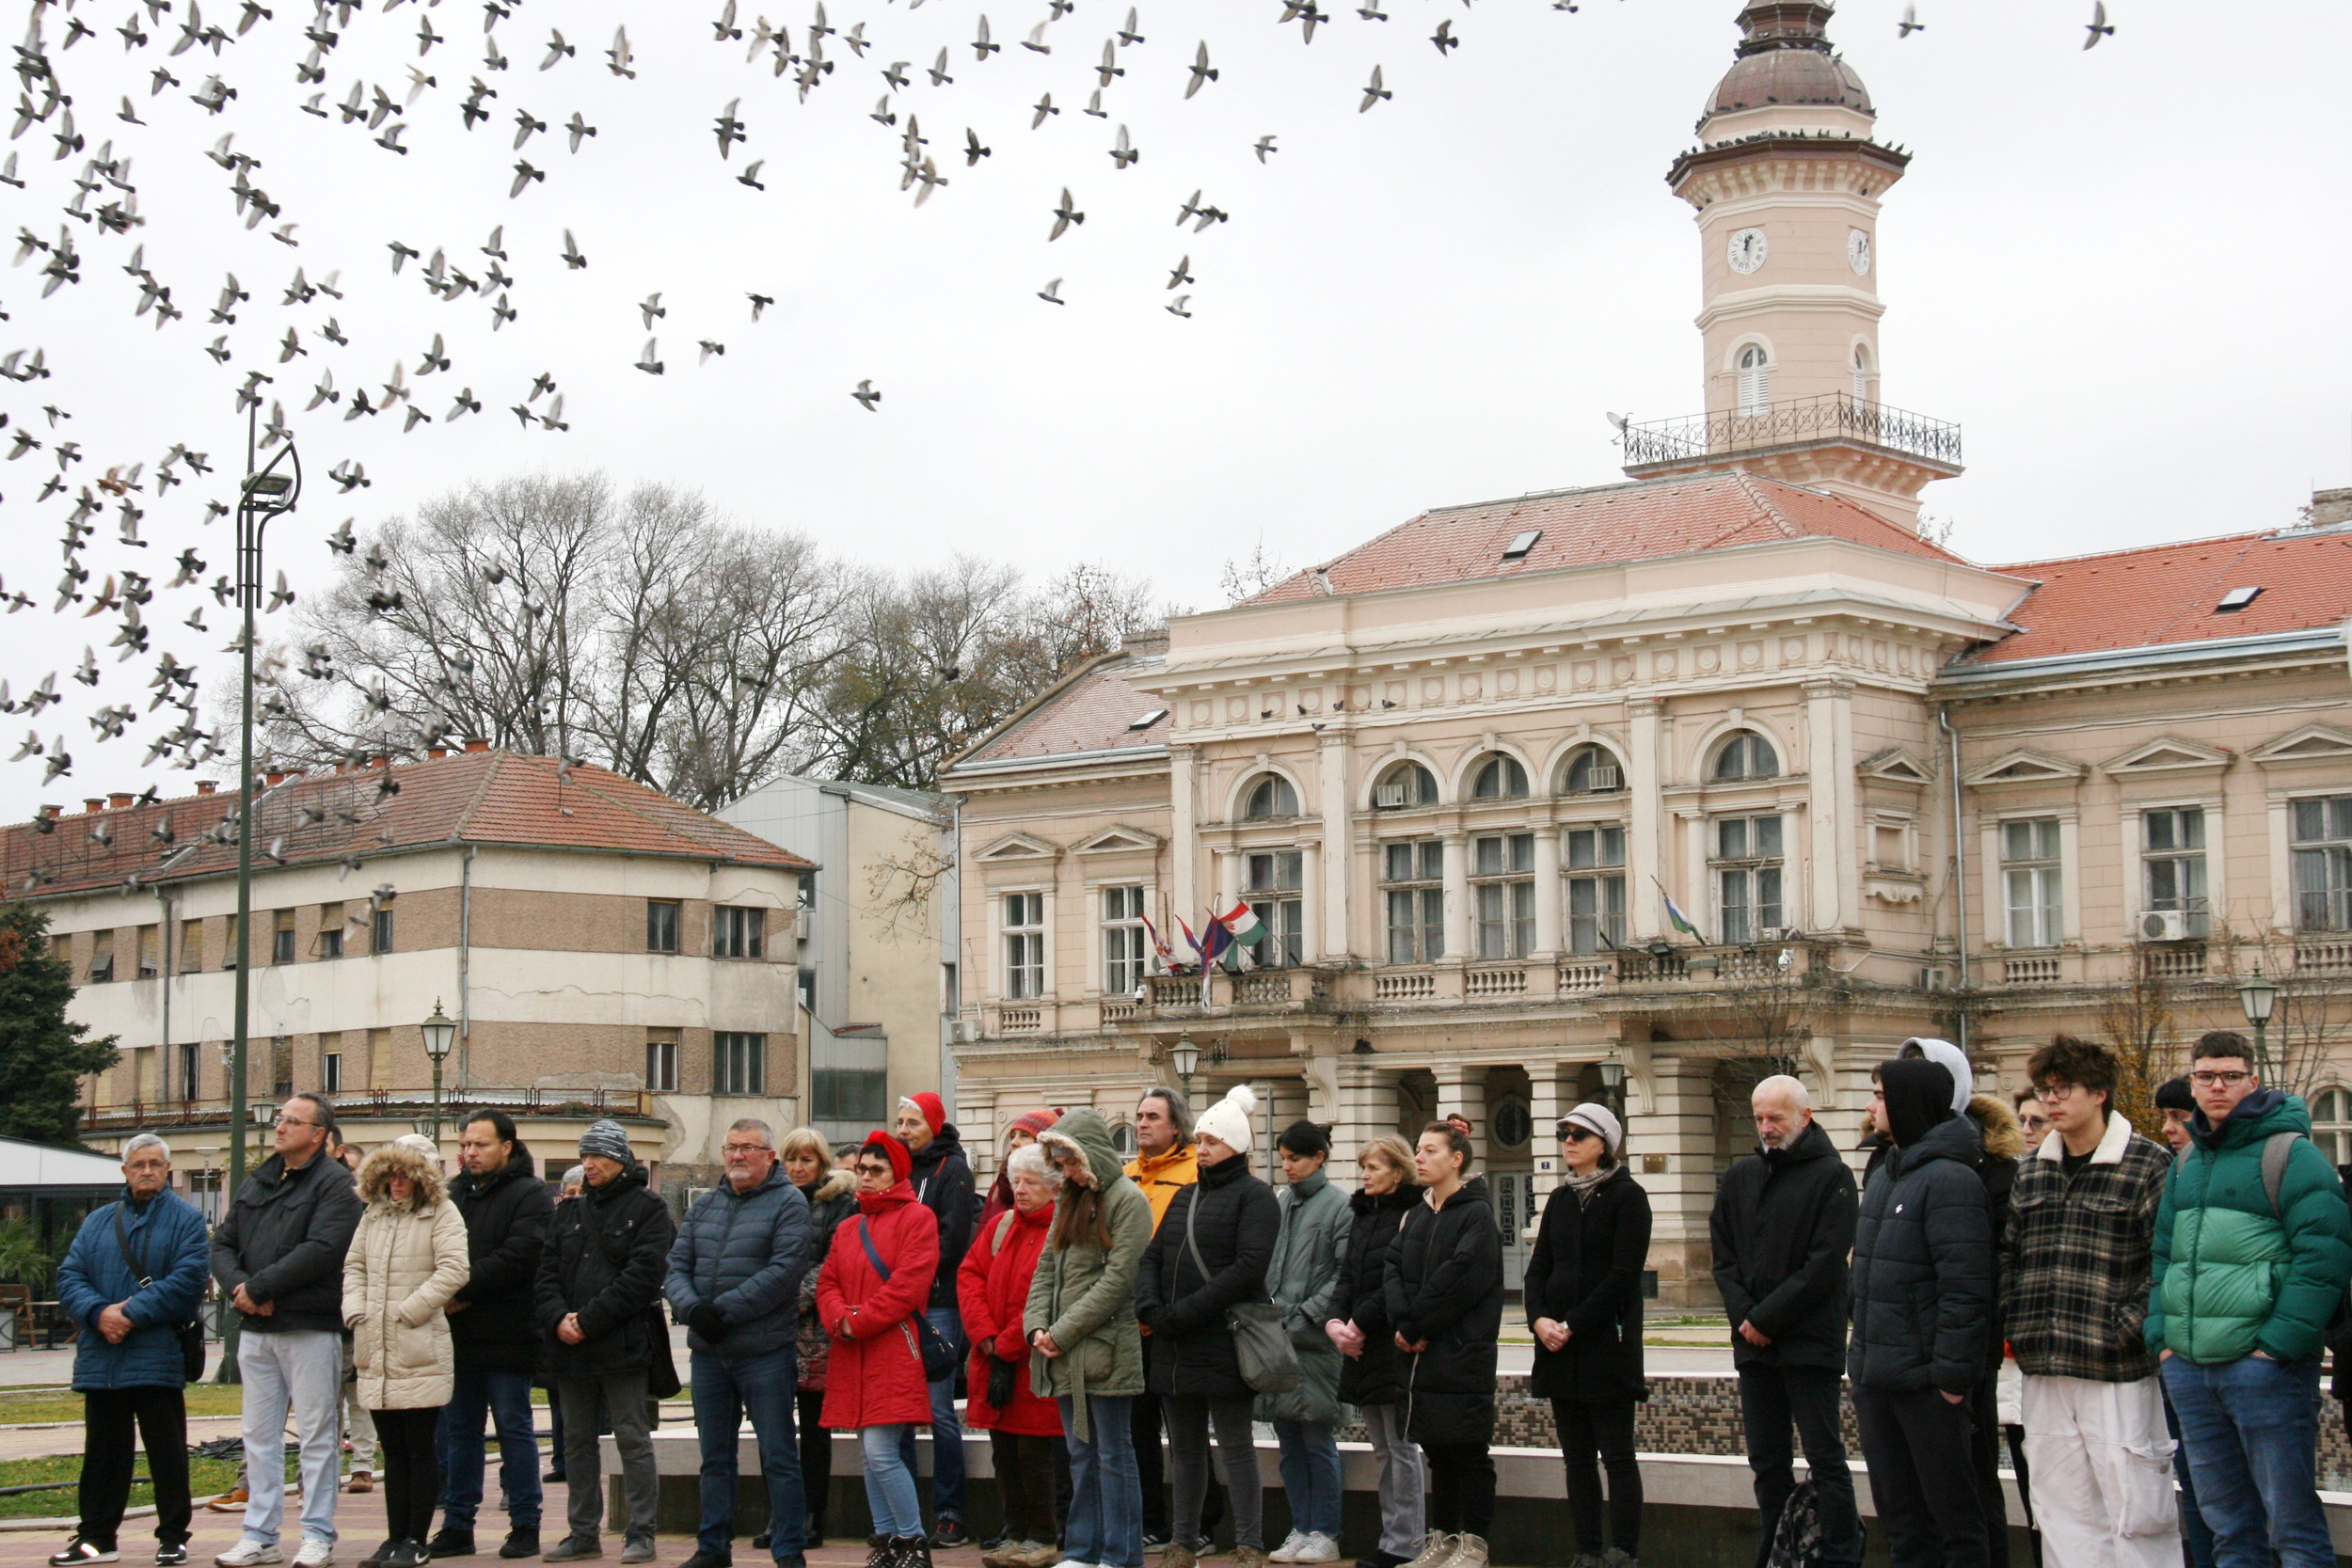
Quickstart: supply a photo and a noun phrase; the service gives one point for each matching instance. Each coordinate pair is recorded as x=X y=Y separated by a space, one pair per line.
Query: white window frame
x=1423 y=898
x=1124 y=952
x=2193 y=861
x=1601 y=875
x=2331 y=1122
x=1021 y=943
x=1750 y=874
x=1283 y=905
x=2041 y=873
x=1268 y=778
x=1509 y=773
x=1752 y=374
x=661 y=1066
x=1502 y=896
x=2328 y=854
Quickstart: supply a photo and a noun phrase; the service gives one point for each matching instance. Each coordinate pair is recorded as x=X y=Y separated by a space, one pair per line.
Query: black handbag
x=930 y=1346
x=191 y=1332
x=1270 y=1363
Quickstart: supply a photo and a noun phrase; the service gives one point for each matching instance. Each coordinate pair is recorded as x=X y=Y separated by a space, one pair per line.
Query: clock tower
x=1786 y=181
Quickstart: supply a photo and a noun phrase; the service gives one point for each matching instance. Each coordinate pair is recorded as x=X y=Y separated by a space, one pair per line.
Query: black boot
x=913 y=1551
x=451 y=1543
x=520 y=1542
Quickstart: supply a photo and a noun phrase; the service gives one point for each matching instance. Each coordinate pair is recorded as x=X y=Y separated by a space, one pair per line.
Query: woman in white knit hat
x=1584 y=1300
x=1210 y=1254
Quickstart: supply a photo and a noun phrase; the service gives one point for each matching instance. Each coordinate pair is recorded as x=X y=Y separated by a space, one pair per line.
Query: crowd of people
x=1120 y=1327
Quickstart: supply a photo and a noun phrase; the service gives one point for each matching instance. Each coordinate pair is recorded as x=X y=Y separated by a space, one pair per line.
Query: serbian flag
x=1242 y=924
x=1159 y=943
x=1213 y=946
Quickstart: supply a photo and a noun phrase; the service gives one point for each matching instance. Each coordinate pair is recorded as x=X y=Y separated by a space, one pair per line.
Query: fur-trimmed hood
x=833 y=1184
x=377 y=1170
x=2004 y=1136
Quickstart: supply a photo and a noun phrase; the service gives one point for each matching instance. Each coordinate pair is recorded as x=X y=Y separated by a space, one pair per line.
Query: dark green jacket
x=2230 y=1277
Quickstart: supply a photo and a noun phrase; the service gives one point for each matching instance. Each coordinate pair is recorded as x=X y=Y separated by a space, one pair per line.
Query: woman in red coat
x=871 y=1293
x=992 y=1289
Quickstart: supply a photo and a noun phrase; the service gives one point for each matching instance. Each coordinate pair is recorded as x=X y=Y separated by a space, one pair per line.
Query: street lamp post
x=1613 y=1083
x=1187 y=1056
x=264 y=495
x=2258 y=996
x=440 y=1031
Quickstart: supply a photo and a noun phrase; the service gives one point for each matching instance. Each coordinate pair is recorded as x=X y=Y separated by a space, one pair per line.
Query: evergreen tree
x=42 y=1054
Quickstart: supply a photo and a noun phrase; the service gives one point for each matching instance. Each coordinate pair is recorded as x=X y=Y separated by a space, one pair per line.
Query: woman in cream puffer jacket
x=407 y=1258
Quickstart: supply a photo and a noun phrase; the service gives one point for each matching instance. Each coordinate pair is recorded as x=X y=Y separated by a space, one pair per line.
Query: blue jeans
x=505 y=1397
x=1106 y=1522
x=725 y=1389
x=1310 y=1475
x=301 y=1368
x=2196 y=1535
x=2253 y=1430
x=890 y=1480
x=947 y=1427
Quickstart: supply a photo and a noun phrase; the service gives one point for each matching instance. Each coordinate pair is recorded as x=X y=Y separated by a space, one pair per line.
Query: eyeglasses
x=292 y=1121
x=746 y=1148
x=2208 y=1080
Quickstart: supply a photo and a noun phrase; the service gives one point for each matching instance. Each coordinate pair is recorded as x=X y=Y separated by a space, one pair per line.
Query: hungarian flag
x=1242 y=923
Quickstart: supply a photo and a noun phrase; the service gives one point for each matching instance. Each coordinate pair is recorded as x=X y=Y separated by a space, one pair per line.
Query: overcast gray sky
x=2119 y=270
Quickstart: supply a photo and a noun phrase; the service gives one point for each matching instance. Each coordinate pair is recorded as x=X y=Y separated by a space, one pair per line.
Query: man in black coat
x=278 y=1254
x=1782 y=1224
x=1922 y=1309
x=494 y=1329
x=943 y=1179
x=600 y=1281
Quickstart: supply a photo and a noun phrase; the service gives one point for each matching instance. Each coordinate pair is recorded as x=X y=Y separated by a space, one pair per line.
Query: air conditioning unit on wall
x=2165 y=925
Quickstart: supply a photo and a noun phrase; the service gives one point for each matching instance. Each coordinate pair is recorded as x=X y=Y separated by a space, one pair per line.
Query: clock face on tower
x=1858 y=252
x=1747 y=250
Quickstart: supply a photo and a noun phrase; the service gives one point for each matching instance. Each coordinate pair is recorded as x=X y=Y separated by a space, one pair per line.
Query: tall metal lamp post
x=2258 y=996
x=440 y=1031
x=264 y=495
x=1187 y=1056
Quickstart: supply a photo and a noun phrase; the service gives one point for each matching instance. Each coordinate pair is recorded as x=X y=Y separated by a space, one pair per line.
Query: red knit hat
x=1032 y=1122
x=933 y=1110
x=902 y=1162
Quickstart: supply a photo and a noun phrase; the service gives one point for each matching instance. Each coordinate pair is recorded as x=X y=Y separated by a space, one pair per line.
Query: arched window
x=1862 y=377
x=1409 y=783
x=1756 y=380
x=1746 y=755
x=1271 y=795
x=2331 y=1125
x=1500 y=778
x=1592 y=771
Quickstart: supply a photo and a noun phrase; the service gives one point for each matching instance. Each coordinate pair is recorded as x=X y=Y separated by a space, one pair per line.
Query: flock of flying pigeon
x=498 y=100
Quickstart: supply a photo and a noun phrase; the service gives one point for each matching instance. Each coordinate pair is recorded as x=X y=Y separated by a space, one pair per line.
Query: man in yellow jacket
x=1165 y=1161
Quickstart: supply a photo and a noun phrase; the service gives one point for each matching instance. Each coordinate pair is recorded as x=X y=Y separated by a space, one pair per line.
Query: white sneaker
x=250 y=1552
x=1292 y=1544
x=1469 y=1552
x=1317 y=1547
x=1438 y=1547
x=315 y=1553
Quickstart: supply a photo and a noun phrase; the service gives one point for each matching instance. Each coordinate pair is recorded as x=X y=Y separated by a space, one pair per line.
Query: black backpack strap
x=123 y=1240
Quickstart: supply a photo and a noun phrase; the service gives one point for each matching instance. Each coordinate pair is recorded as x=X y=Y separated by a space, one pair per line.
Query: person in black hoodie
x=1782 y=1228
x=943 y=1181
x=1444 y=1296
x=1583 y=1299
x=1210 y=1254
x=1922 y=1307
x=1384 y=1198
x=600 y=1283
x=494 y=1328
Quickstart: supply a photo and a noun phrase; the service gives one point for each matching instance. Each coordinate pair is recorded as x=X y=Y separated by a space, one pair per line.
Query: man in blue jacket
x=133 y=1276
x=735 y=1281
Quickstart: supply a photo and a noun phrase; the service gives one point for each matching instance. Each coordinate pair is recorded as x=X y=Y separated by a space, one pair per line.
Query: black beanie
x=1918 y=1095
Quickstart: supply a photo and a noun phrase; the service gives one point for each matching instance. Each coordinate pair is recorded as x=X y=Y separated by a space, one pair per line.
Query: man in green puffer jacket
x=2246 y=1281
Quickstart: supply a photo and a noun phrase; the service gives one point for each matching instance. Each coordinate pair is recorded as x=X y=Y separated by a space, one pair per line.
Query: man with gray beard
x=1782 y=1226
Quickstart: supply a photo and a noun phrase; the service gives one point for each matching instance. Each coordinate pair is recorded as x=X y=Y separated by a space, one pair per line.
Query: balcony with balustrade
x=1658 y=448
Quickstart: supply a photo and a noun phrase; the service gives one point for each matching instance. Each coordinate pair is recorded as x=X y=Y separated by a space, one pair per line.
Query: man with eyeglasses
x=2074 y=1290
x=735 y=1281
x=2253 y=1249
x=278 y=1255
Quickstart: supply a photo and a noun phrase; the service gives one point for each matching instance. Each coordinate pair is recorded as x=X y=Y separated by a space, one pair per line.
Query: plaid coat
x=2075 y=1262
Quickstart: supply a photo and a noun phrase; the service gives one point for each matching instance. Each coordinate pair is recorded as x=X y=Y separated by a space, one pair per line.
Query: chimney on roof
x=2329 y=508
x=475 y=743
x=118 y=799
x=434 y=753
x=206 y=786
x=93 y=805
x=51 y=811
x=272 y=779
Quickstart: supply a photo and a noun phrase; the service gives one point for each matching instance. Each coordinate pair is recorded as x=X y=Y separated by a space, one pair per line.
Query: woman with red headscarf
x=870 y=1294
x=992 y=1290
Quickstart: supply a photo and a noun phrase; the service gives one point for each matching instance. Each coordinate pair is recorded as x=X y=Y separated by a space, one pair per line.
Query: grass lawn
x=206 y=1476
x=18 y=1408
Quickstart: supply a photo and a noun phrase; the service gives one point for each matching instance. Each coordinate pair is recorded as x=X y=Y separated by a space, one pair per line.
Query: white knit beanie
x=1228 y=1120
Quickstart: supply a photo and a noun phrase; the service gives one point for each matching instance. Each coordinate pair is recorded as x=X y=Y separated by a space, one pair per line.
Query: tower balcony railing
x=1835 y=415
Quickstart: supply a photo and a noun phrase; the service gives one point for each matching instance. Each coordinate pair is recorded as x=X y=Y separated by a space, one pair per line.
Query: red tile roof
x=2167 y=592
x=1598 y=526
x=1094 y=711
x=467 y=797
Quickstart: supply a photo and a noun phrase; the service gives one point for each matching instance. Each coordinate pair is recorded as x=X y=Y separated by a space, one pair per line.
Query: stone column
x=1457 y=894
x=1551 y=896
x=1462 y=1086
x=1677 y=1124
x=1551 y=1089
x=1362 y=1106
x=1182 y=848
x=1832 y=800
x=1334 y=927
x=1310 y=913
x=1645 y=834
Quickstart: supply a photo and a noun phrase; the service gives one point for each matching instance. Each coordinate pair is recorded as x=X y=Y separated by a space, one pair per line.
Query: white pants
x=2100 y=1462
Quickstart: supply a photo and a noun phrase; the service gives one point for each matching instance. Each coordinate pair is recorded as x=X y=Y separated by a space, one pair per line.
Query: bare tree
x=2137 y=1015
x=1245 y=577
x=2310 y=1033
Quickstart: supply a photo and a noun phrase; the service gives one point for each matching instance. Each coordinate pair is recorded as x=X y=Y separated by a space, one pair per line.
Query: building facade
x=877 y=950
x=1649 y=789
x=604 y=951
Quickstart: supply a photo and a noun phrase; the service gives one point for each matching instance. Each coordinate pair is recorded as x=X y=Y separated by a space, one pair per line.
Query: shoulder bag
x=1268 y=1362
x=191 y=1332
x=931 y=1347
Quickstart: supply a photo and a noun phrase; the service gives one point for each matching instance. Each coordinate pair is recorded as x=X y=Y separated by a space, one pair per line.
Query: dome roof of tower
x=1786 y=59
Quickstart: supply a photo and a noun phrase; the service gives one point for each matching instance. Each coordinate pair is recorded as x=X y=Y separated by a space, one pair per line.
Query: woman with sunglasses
x=1583 y=1296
